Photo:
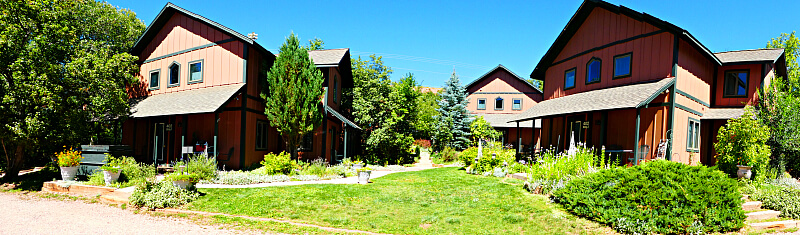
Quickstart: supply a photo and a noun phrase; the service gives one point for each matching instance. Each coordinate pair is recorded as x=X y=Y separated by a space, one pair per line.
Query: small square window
x=516 y=104
x=481 y=104
x=174 y=74
x=154 y=79
x=195 y=71
x=498 y=103
x=569 y=79
x=622 y=65
x=736 y=83
x=593 y=70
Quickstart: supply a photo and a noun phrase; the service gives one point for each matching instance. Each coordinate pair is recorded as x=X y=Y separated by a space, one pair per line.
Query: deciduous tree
x=63 y=65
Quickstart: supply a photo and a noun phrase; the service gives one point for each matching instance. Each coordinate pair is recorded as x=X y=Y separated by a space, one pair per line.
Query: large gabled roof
x=500 y=66
x=166 y=13
x=335 y=58
x=583 y=12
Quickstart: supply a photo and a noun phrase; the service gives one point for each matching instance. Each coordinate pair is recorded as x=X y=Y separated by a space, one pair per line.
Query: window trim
x=266 y=135
x=600 y=76
x=150 y=79
x=630 y=66
x=696 y=148
x=574 y=83
x=512 y=103
x=502 y=103
x=189 y=71
x=746 y=84
x=478 y=105
x=169 y=75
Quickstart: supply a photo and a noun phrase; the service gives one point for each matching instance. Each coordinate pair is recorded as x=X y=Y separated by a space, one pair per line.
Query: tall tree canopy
x=452 y=123
x=385 y=110
x=293 y=94
x=778 y=105
x=63 y=65
x=427 y=103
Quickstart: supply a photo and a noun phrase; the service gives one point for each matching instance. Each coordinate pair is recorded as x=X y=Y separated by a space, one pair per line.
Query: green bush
x=743 y=141
x=204 y=167
x=553 y=167
x=161 y=195
x=493 y=157
x=134 y=173
x=783 y=198
x=280 y=164
x=657 y=197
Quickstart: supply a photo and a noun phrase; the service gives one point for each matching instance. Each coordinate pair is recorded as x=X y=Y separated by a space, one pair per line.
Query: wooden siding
x=753 y=84
x=651 y=56
x=222 y=64
x=695 y=73
x=333 y=73
x=500 y=81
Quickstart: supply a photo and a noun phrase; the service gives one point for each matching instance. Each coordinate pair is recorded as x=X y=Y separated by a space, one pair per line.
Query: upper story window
x=516 y=104
x=498 y=103
x=569 y=79
x=693 y=136
x=593 y=70
x=154 y=79
x=195 y=71
x=481 y=104
x=736 y=83
x=174 y=74
x=622 y=65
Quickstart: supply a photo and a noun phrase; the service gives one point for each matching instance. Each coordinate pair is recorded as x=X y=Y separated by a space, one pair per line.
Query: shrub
x=743 y=141
x=423 y=143
x=161 y=195
x=193 y=178
x=244 y=178
x=493 y=157
x=134 y=173
x=783 y=197
x=447 y=155
x=204 y=167
x=554 y=167
x=280 y=164
x=69 y=158
x=661 y=196
x=96 y=178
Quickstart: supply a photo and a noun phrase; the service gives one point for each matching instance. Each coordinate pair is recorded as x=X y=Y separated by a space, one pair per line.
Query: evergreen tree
x=452 y=123
x=293 y=94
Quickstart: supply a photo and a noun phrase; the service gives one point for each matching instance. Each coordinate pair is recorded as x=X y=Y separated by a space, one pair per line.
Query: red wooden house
x=200 y=86
x=631 y=82
x=499 y=96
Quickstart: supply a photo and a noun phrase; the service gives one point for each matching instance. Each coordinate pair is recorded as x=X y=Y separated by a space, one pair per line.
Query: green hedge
x=657 y=197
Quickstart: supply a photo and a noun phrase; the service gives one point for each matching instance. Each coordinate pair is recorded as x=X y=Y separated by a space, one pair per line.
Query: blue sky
x=430 y=38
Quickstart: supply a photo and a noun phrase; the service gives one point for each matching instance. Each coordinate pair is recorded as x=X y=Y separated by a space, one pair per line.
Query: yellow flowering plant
x=69 y=157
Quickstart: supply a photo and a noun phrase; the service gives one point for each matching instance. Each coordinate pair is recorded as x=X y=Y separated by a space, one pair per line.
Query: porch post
x=533 y=135
x=216 y=132
x=345 y=140
x=636 y=137
x=519 y=140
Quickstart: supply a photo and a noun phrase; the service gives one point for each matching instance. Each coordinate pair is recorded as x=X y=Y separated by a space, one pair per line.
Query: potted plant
x=111 y=169
x=363 y=175
x=357 y=164
x=68 y=161
x=744 y=171
x=182 y=181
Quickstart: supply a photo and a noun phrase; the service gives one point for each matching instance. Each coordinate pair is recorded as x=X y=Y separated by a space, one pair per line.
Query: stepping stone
x=775 y=225
x=762 y=215
x=751 y=206
x=519 y=176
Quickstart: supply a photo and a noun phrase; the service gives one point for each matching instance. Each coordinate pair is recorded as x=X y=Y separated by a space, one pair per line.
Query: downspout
x=324 y=122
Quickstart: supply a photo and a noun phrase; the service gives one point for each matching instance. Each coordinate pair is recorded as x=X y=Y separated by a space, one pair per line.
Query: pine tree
x=452 y=123
x=293 y=97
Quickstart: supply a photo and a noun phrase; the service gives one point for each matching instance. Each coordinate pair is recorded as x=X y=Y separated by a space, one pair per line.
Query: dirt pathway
x=32 y=215
x=424 y=161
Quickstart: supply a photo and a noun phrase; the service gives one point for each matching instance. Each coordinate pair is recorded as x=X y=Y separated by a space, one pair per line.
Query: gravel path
x=32 y=215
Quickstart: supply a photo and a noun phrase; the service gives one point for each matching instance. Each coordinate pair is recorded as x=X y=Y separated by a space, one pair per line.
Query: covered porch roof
x=722 y=113
x=622 y=97
x=504 y=120
x=340 y=117
x=203 y=100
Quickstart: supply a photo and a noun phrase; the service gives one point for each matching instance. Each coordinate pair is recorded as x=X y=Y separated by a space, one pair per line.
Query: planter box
x=79 y=189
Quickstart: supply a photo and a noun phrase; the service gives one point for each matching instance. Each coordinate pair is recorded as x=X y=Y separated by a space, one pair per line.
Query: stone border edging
x=179 y=211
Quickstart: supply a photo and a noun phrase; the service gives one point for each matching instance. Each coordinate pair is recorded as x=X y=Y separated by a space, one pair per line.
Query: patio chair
x=661 y=152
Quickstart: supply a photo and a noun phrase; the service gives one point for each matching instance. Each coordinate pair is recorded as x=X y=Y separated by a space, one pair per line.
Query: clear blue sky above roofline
x=430 y=38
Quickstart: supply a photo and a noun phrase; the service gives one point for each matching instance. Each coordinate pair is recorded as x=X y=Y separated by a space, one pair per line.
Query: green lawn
x=444 y=200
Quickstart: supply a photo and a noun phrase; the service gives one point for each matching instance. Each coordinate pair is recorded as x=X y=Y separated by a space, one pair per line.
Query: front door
x=575 y=129
x=159 y=145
